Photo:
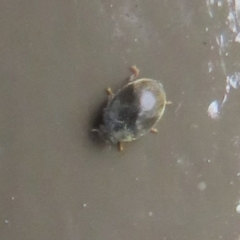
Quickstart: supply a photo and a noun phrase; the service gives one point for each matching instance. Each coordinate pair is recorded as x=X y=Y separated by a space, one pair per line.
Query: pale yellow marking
x=154 y=130
x=135 y=71
x=120 y=146
x=168 y=103
x=109 y=92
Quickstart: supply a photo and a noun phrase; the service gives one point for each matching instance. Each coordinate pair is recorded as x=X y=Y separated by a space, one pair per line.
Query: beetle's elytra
x=133 y=111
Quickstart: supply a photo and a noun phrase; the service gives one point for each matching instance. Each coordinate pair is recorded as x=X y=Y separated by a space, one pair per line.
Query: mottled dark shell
x=133 y=111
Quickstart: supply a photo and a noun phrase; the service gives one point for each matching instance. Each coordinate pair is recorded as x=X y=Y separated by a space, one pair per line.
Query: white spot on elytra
x=147 y=101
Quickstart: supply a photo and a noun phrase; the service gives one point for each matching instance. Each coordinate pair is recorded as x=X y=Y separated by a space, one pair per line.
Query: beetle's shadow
x=96 y=120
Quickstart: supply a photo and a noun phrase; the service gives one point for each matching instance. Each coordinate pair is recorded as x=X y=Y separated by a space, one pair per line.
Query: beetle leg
x=168 y=102
x=135 y=74
x=109 y=92
x=135 y=71
x=154 y=130
x=120 y=146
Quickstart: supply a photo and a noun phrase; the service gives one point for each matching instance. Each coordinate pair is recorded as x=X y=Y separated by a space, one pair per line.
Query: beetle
x=133 y=111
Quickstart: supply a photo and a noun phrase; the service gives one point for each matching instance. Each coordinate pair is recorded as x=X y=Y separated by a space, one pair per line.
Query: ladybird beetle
x=133 y=111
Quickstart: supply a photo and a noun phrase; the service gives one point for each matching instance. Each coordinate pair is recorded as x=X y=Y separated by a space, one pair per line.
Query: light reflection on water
x=225 y=15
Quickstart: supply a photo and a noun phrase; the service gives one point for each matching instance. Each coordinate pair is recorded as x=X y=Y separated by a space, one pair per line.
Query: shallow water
x=58 y=181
